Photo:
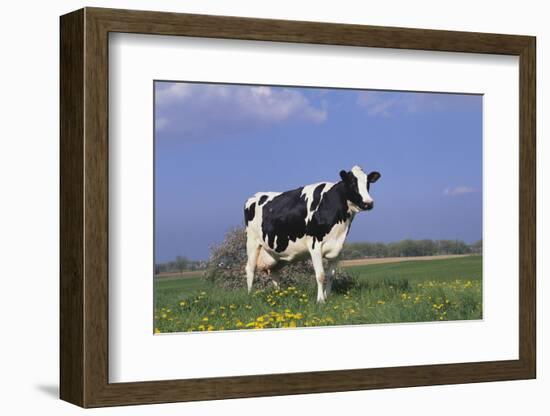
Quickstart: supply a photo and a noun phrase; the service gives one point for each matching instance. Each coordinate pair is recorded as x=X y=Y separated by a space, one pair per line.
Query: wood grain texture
x=84 y=207
x=71 y=185
x=527 y=207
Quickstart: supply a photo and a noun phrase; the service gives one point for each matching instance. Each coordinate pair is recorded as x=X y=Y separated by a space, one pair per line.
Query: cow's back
x=280 y=221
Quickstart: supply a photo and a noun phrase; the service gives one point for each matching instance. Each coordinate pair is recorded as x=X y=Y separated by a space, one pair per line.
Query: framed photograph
x=254 y=207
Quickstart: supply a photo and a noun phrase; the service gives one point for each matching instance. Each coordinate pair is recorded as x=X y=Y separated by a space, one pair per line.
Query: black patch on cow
x=332 y=210
x=249 y=213
x=317 y=196
x=284 y=219
x=263 y=198
x=349 y=180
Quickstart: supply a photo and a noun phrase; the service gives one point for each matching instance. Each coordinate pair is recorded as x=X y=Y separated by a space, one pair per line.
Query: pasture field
x=405 y=291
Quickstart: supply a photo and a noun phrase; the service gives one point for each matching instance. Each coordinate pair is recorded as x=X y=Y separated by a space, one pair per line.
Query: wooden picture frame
x=84 y=207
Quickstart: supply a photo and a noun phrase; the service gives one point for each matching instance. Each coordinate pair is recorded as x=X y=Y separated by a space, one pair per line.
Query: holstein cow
x=282 y=227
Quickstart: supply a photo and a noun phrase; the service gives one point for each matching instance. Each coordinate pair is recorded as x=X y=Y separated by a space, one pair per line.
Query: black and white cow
x=315 y=219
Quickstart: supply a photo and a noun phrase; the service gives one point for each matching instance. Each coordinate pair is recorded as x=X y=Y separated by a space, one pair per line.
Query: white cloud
x=375 y=103
x=161 y=123
x=458 y=190
x=173 y=92
x=194 y=107
x=386 y=103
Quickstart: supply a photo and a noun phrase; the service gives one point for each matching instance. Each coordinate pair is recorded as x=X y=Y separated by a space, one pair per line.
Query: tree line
x=180 y=264
x=408 y=248
x=403 y=248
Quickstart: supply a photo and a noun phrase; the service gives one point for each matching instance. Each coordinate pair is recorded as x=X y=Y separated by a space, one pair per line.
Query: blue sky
x=218 y=144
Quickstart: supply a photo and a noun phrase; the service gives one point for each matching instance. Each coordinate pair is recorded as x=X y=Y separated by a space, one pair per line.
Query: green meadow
x=407 y=291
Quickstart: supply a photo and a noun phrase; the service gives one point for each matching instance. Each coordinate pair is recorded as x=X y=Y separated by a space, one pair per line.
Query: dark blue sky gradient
x=217 y=145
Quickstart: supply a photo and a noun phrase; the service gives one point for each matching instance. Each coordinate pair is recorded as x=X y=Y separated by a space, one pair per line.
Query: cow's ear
x=345 y=176
x=373 y=177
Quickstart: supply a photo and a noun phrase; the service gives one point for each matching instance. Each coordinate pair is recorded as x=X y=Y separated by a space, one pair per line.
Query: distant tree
x=408 y=248
x=426 y=247
x=446 y=246
x=477 y=247
x=181 y=263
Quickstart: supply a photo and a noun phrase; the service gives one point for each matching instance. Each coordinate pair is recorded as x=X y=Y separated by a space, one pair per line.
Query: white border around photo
x=135 y=354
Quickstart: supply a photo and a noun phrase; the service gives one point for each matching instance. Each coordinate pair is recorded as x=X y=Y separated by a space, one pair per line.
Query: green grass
x=414 y=291
x=421 y=270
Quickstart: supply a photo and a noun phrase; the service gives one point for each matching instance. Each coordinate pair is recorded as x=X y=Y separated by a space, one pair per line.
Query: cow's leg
x=331 y=273
x=252 y=251
x=317 y=259
x=275 y=278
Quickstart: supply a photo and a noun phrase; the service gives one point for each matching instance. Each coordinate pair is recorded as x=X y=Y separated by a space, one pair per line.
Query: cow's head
x=357 y=185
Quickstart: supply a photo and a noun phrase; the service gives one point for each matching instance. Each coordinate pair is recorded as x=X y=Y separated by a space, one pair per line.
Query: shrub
x=226 y=267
